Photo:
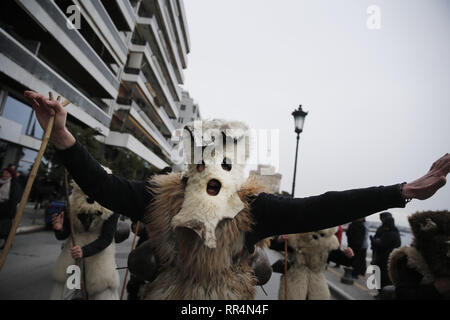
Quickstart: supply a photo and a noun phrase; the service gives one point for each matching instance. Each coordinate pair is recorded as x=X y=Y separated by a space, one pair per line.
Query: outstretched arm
x=112 y=192
x=275 y=215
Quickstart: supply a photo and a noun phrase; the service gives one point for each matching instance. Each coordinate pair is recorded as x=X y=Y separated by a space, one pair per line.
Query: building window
x=34 y=129
x=21 y=113
x=27 y=161
x=18 y=112
x=194 y=108
x=183 y=107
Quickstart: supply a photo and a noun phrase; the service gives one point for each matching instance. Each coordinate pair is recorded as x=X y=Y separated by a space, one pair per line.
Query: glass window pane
x=35 y=129
x=26 y=161
x=17 y=111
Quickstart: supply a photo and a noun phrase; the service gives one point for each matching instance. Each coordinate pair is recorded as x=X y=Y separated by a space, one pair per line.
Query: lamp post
x=299 y=118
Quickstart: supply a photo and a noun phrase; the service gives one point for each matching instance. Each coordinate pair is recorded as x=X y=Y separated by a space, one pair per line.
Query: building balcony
x=100 y=17
x=149 y=30
x=138 y=80
x=152 y=71
x=122 y=13
x=18 y=63
x=127 y=141
x=184 y=25
x=144 y=122
x=54 y=21
x=159 y=10
x=177 y=22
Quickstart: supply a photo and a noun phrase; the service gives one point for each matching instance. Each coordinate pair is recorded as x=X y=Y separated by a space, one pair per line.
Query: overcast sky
x=378 y=100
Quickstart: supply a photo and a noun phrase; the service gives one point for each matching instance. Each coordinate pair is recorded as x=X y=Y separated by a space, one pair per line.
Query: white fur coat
x=306 y=279
x=100 y=269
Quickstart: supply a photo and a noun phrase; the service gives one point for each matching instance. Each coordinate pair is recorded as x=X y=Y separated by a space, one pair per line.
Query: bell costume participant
x=305 y=276
x=422 y=270
x=204 y=223
x=94 y=227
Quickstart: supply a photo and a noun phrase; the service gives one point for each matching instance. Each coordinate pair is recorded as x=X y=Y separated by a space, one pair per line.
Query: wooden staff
x=28 y=186
x=132 y=247
x=285 y=270
x=79 y=262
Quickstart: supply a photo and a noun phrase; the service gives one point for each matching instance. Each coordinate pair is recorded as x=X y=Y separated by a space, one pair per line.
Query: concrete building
x=267 y=175
x=189 y=111
x=119 y=62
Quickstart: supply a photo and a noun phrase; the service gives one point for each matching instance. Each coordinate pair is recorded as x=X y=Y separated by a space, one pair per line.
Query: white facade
x=121 y=71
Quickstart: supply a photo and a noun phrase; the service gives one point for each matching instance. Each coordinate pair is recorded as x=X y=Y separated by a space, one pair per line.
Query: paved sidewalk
x=32 y=220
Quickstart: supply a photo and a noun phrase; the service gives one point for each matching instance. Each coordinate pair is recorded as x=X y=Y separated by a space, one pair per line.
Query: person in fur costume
x=94 y=228
x=308 y=255
x=422 y=270
x=205 y=222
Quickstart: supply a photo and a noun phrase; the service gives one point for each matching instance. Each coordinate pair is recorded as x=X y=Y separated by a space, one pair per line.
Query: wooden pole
x=285 y=270
x=72 y=235
x=28 y=186
x=132 y=247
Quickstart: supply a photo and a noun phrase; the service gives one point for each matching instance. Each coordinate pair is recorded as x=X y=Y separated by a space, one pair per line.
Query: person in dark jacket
x=268 y=214
x=378 y=233
x=388 y=240
x=10 y=194
x=356 y=239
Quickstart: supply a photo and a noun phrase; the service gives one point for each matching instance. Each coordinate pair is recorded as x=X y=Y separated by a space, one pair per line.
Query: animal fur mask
x=87 y=214
x=216 y=152
x=431 y=231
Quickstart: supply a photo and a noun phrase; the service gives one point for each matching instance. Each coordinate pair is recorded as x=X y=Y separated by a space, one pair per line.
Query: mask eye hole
x=226 y=164
x=201 y=167
x=322 y=234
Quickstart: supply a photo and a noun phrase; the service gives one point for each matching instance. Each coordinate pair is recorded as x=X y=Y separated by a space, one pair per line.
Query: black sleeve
x=408 y=286
x=338 y=256
x=387 y=240
x=105 y=238
x=276 y=215
x=115 y=193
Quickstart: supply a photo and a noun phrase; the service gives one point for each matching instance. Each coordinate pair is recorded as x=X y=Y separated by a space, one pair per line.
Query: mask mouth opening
x=213 y=187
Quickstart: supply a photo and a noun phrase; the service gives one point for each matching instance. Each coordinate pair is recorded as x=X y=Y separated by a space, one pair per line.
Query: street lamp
x=299 y=118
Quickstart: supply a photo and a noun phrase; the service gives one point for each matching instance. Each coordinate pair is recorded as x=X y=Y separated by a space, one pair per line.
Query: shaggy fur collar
x=223 y=270
x=415 y=261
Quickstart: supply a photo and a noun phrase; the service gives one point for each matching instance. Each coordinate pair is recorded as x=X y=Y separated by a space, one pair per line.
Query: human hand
x=349 y=252
x=442 y=285
x=45 y=109
x=57 y=221
x=76 y=252
x=424 y=187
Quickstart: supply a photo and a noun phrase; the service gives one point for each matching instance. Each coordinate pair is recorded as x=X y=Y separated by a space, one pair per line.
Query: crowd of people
x=206 y=225
x=10 y=195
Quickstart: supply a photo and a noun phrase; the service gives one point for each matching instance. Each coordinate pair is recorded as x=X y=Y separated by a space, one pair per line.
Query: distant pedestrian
x=357 y=239
x=377 y=235
x=12 y=169
x=388 y=240
x=10 y=194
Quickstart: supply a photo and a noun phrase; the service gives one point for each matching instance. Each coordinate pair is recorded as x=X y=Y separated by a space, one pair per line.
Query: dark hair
x=389 y=222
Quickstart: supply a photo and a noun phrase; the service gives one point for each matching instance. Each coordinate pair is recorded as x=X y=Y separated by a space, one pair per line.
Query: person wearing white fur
x=94 y=228
x=206 y=221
